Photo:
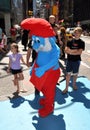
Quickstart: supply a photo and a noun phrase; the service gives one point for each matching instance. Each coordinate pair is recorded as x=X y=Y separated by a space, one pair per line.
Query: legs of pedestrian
x=18 y=81
x=74 y=82
x=68 y=76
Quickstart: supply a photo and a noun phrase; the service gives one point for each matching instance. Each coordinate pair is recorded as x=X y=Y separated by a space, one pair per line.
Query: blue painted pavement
x=72 y=110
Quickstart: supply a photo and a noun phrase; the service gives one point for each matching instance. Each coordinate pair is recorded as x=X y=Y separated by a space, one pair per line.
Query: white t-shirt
x=4 y=40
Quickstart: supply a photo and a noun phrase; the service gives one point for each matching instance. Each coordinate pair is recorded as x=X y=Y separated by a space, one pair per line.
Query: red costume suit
x=45 y=71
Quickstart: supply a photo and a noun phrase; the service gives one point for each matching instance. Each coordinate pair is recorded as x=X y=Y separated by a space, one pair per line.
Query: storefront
x=5 y=15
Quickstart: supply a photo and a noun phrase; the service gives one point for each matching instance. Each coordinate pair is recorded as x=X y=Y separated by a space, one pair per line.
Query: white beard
x=47 y=46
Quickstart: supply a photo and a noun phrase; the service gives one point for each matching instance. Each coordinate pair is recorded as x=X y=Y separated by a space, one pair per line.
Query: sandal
x=75 y=88
x=23 y=90
x=64 y=91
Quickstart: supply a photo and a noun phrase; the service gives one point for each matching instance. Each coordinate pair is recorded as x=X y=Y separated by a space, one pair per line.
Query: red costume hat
x=38 y=26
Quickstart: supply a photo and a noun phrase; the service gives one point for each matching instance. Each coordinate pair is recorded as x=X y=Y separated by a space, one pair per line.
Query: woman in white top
x=4 y=38
x=3 y=44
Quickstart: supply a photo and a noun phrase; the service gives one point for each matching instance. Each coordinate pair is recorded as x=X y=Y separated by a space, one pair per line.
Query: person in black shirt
x=34 y=54
x=74 y=50
x=25 y=39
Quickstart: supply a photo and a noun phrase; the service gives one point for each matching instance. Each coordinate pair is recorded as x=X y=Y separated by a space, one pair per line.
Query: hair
x=63 y=30
x=4 y=31
x=15 y=46
x=79 y=29
x=51 y=16
x=56 y=25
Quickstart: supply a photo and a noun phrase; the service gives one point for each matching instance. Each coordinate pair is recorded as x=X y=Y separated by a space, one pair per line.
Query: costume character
x=45 y=71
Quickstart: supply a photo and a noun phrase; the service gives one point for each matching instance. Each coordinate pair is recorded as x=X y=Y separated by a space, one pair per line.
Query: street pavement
x=20 y=112
x=6 y=85
x=71 y=112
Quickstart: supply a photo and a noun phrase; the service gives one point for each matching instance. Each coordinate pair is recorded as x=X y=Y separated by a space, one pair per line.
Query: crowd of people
x=4 y=38
x=71 y=46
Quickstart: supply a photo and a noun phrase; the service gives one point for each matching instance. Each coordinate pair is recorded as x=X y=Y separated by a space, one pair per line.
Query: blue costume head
x=41 y=31
x=44 y=43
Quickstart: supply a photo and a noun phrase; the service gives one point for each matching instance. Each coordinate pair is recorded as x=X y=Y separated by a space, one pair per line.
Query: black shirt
x=30 y=44
x=34 y=54
x=75 y=44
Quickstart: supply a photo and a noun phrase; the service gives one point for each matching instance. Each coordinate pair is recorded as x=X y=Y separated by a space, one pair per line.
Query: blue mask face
x=37 y=43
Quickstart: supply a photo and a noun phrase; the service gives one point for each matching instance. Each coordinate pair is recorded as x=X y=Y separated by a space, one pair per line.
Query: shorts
x=16 y=71
x=72 y=67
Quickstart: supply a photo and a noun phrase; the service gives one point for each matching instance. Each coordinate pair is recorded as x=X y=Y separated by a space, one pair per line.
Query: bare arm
x=76 y=52
x=73 y=52
x=23 y=61
x=28 y=56
x=8 y=70
x=59 y=39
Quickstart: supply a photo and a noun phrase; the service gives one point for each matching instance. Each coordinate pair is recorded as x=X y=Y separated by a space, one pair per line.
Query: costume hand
x=39 y=71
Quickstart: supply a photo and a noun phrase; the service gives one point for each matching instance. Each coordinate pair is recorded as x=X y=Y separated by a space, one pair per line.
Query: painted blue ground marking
x=72 y=110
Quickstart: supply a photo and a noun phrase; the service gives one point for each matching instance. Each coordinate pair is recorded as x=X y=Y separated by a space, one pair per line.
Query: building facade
x=14 y=11
x=5 y=7
x=82 y=13
x=11 y=12
x=66 y=11
x=75 y=11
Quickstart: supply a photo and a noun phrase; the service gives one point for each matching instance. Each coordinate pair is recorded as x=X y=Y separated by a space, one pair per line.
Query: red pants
x=46 y=83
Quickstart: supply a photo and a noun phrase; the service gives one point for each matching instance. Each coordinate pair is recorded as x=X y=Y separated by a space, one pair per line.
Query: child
x=74 y=50
x=15 y=67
